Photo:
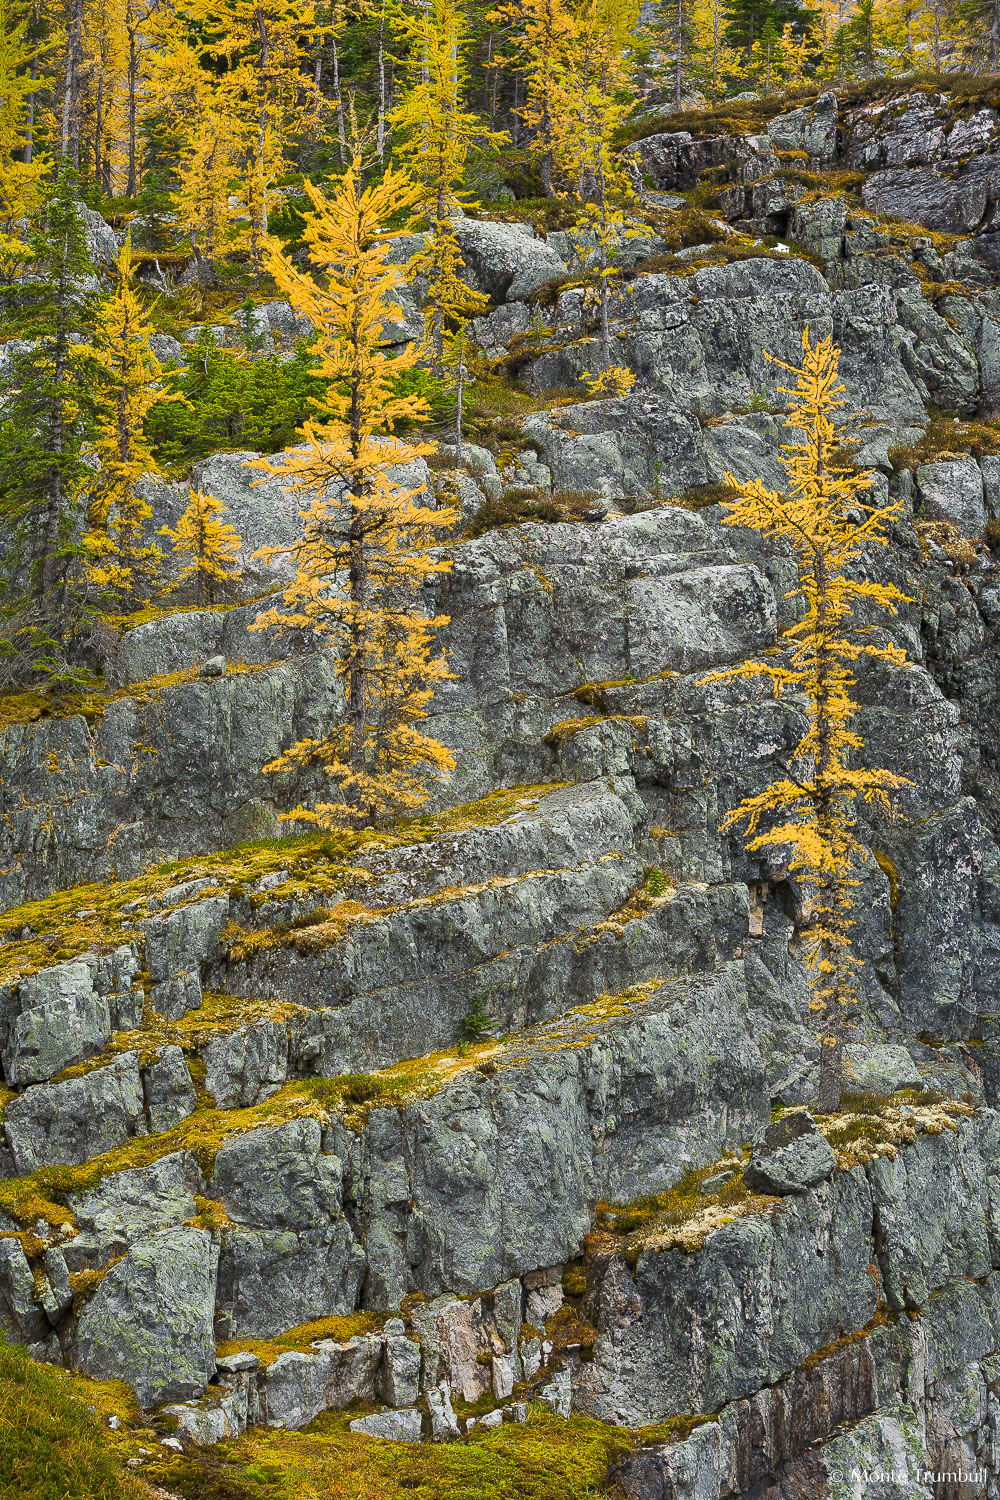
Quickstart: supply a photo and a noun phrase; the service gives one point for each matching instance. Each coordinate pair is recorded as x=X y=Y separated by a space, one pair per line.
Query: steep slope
x=427 y=1125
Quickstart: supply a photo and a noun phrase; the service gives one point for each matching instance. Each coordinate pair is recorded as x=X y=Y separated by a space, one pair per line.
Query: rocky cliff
x=492 y=1108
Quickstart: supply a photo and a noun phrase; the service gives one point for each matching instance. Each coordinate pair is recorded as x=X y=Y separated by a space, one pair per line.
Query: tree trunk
x=380 y=134
x=258 y=189
x=341 y=133
x=605 y=280
x=53 y=509
x=131 y=185
x=29 y=123
x=459 y=459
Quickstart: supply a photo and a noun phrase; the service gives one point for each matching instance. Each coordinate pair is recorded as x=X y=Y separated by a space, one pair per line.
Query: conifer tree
x=543 y=29
x=19 y=178
x=365 y=548
x=435 y=134
x=809 y=816
x=259 y=47
x=121 y=561
x=590 y=101
x=209 y=545
x=47 y=410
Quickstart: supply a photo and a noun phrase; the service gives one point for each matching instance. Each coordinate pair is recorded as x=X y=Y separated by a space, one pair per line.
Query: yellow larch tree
x=589 y=102
x=121 y=562
x=366 y=546
x=808 y=817
x=435 y=132
x=542 y=30
x=19 y=180
x=260 y=49
x=206 y=545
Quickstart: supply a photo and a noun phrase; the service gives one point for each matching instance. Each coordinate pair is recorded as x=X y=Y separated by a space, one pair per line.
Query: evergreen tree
x=365 y=547
x=590 y=101
x=748 y=20
x=542 y=31
x=47 y=414
x=209 y=545
x=259 y=50
x=810 y=814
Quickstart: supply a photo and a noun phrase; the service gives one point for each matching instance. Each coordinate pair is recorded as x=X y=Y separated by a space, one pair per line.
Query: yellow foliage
x=808 y=816
x=587 y=100
x=209 y=542
x=617 y=380
x=121 y=562
x=367 y=538
x=19 y=180
x=543 y=30
x=257 y=52
x=435 y=134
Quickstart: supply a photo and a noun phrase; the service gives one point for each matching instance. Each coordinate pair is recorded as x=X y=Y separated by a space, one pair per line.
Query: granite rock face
x=150 y=1320
x=424 y=1078
x=792 y=1157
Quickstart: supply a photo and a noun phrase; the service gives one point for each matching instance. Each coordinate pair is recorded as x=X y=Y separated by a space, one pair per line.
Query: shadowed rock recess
x=441 y=1121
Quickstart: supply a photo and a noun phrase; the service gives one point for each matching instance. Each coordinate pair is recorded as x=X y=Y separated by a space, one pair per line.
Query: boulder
x=21 y=1318
x=880 y=1069
x=792 y=1158
x=812 y=129
x=103 y=244
x=923 y=195
x=65 y=1123
x=505 y=260
x=296 y=1388
x=131 y=1205
x=285 y=324
x=400 y=1380
x=149 y=1321
x=291 y=1256
x=952 y=490
x=394 y=1426
x=62 y=1021
x=168 y=1090
x=262 y=511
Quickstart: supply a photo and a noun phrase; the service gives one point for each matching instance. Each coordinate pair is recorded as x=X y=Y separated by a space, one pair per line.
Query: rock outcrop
x=514 y=1102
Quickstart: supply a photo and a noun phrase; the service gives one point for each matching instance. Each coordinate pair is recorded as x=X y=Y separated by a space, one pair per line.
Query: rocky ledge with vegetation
x=481 y=1147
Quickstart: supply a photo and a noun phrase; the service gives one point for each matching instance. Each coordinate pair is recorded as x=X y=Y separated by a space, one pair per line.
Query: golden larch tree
x=206 y=545
x=434 y=134
x=542 y=31
x=121 y=561
x=365 y=548
x=260 y=51
x=808 y=817
x=589 y=101
x=19 y=178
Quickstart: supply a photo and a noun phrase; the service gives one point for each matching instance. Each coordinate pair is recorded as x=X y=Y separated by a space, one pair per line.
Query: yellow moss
x=339 y=1329
x=657 y=890
x=547 y=1458
x=567 y=728
x=882 y=1129
x=606 y=1006
x=100 y=916
x=891 y=874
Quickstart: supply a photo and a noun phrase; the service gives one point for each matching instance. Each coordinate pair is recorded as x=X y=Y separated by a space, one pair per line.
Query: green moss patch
x=54 y=1442
x=302 y=1338
x=545 y=1459
x=949 y=437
